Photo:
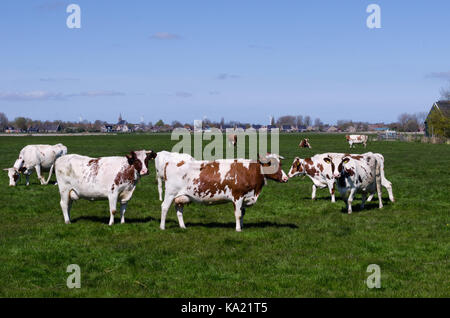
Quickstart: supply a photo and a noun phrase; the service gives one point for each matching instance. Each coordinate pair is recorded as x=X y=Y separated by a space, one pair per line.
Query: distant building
x=333 y=129
x=106 y=128
x=437 y=122
x=11 y=130
x=351 y=129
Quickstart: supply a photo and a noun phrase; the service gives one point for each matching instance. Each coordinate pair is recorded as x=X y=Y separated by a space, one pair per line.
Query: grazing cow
x=239 y=181
x=162 y=160
x=305 y=143
x=319 y=169
x=35 y=157
x=232 y=139
x=323 y=170
x=357 y=139
x=112 y=178
x=359 y=174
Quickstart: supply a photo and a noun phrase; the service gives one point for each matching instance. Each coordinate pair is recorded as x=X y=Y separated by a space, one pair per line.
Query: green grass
x=291 y=246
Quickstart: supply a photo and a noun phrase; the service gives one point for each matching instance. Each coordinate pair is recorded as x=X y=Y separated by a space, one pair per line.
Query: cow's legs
x=242 y=217
x=66 y=204
x=370 y=197
x=238 y=214
x=331 y=188
x=159 y=187
x=123 y=208
x=164 y=208
x=27 y=176
x=313 y=194
x=350 y=200
x=363 y=200
x=179 y=208
x=112 y=207
x=38 y=172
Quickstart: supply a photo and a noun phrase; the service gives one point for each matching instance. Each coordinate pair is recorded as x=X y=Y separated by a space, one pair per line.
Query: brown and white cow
x=320 y=169
x=323 y=170
x=112 y=178
x=357 y=139
x=239 y=181
x=359 y=174
x=35 y=157
x=161 y=160
x=304 y=143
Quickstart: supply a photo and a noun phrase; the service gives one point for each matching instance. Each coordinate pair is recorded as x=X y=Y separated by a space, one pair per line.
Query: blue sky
x=242 y=60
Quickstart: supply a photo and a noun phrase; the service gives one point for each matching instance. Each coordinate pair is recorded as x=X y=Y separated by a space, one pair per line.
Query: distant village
x=435 y=122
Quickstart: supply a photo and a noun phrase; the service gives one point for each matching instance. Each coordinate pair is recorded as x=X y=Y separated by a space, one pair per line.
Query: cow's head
x=297 y=168
x=347 y=166
x=347 y=137
x=271 y=167
x=331 y=164
x=13 y=175
x=139 y=160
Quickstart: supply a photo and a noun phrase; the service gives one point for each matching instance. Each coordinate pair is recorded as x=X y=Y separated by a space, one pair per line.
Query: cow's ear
x=131 y=157
x=345 y=160
x=327 y=160
x=151 y=154
x=6 y=169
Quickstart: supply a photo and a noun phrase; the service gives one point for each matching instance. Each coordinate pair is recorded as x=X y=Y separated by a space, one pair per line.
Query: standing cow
x=322 y=169
x=239 y=181
x=359 y=175
x=162 y=160
x=304 y=143
x=319 y=169
x=35 y=157
x=112 y=178
x=357 y=139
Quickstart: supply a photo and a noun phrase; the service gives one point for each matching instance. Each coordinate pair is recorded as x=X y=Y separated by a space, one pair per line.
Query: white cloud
x=441 y=75
x=165 y=36
x=224 y=76
x=45 y=95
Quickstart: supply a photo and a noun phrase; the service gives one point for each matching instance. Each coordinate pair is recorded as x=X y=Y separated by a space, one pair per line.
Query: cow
x=359 y=174
x=322 y=170
x=304 y=143
x=232 y=139
x=319 y=169
x=35 y=157
x=239 y=181
x=112 y=178
x=161 y=161
x=357 y=139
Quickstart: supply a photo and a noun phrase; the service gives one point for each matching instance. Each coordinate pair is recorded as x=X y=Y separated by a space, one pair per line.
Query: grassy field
x=290 y=246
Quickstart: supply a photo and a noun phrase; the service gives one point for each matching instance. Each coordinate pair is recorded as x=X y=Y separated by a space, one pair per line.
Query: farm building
x=438 y=120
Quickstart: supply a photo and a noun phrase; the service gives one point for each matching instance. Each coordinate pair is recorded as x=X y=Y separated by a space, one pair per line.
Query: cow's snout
x=144 y=172
x=337 y=175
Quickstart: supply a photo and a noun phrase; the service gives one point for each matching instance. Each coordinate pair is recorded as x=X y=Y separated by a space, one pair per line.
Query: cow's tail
x=378 y=183
x=49 y=174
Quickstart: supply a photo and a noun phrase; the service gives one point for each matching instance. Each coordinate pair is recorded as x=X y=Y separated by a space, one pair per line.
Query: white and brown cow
x=323 y=170
x=112 y=178
x=239 y=181
x=359 y=175
x=304 y=143
x=357 y=139
x=35 y=157
x=162 y=160
x=320 y=169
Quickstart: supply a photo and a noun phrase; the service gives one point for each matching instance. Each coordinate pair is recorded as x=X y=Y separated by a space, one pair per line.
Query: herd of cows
x=186 y=179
